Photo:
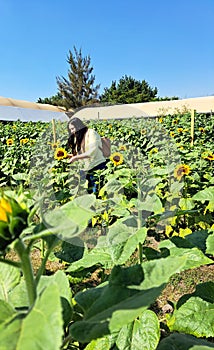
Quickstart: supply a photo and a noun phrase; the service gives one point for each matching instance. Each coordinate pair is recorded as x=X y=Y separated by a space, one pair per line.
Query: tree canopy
x=78 y=88
x=56 y=100
x=129 y=90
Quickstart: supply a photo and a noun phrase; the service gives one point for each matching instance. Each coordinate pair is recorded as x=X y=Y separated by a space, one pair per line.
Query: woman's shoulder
x=93 y=132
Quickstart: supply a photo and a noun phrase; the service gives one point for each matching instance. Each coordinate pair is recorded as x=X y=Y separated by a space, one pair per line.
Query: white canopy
x=12 y=110
x=8 y=113
x=146 y=109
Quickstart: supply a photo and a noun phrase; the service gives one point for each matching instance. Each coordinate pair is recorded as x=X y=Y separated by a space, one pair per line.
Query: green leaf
x=72 y=251
x=122 y=300
x=158 y=272
x=152 y=203
x=195 y=317
x=123 y=241
x=10 y=332
x=205 y=195
x=210 y=244
x=62 y=282
x=18 y=296
x=20 y=176
x=71 y=218
x=198 y=239
x=9 y=278
x=185 y=342
x=45 y=319
x=101 y=343
x=6 y=311
x=99 y=255
x=194 y=256
x=205 y=291
x=144 y=331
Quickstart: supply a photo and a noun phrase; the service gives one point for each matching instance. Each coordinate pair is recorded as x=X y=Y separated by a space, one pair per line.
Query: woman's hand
x=70 y=155
x=72 y=159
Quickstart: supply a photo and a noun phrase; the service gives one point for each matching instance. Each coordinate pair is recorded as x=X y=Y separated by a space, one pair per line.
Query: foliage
x=78 y=88
x=128 y=90
x=56 y=100
x=44 y=200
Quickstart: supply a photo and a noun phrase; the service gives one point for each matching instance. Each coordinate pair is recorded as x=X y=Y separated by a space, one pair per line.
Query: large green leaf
x=152 y=203
x=142 y=333
x=123 y=241
x=195 y=317
x=71 y=218
x=205 y=195
x=18 y=296
x=124 y=298
x=184 y=342
x=6 y=311
x=205 y=291
x=179 y=247
x=158 y=272
x=9 y=333
x=62 y=282
x=98 y=255
x=43 y=326
x=9 y=278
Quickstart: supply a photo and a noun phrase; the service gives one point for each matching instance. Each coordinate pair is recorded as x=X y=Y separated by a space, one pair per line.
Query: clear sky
x=169 y=43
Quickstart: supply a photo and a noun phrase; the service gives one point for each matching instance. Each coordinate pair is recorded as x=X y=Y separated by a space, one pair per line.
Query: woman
x=86 y=145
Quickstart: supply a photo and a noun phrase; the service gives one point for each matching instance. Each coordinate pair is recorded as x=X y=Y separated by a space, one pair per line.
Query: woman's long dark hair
x=74 y=141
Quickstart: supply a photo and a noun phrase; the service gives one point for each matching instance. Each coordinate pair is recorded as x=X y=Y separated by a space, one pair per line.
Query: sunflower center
x=60 y=154
x=116 y=158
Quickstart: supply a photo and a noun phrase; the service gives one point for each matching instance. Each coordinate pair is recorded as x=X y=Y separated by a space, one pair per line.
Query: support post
x=192 y=126
x=54 y=130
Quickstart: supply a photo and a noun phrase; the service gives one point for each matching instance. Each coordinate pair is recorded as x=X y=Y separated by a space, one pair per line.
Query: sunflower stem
x=139 y=222
x=27 y=270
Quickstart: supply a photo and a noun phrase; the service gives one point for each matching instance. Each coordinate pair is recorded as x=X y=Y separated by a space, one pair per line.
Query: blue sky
x=168 y=43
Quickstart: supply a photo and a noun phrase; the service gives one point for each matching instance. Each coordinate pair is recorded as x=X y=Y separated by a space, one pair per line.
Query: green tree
x=128 y=90
x=78 y=88
x=56 y=100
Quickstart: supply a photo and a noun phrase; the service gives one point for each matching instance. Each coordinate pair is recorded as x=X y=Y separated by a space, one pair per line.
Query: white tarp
x=8 y=113
x=146 y=109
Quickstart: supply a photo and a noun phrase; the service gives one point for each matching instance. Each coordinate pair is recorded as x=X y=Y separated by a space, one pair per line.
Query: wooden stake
x=192 y=126
x=54 y=130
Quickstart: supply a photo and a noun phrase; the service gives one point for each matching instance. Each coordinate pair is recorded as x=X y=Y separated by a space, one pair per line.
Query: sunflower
x=122 y=148
x=210 y=156
x=5 y=208
x=201 y=129
x=23 y=141
x=60 y=154
x=153 y=150
x=172 y=134
x=116 y=158
x=181 y=170
x=54 y=145
x=10 y=142
x=180 y=129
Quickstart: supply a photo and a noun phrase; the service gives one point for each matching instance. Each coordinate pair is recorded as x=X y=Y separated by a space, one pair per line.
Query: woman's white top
x=92 y=148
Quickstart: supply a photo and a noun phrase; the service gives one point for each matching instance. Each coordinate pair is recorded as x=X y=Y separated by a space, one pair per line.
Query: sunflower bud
x=13 y=219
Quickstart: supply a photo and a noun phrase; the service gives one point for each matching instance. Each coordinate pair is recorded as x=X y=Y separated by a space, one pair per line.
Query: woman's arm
x=77 y=157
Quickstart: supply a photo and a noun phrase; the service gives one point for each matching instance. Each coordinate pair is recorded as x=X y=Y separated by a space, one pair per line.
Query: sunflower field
x=117 y=253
